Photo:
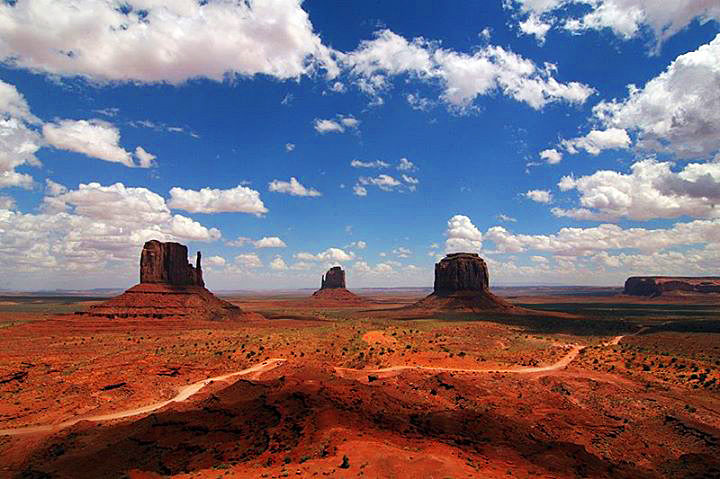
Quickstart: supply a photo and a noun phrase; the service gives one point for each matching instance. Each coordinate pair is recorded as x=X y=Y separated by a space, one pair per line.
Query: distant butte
x=333 y=288
x=653 y=286
x=462 y=284
x=169 y=287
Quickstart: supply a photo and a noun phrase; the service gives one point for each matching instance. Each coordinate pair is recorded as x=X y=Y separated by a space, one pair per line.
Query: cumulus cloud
x=539 y=196
x=626 y=18
x=240 y=199
x=6 y=202
x=278 y=264
x=369 y=164
x=402 y=252
x=162 y=40
x=359 y=190
x=292 y=187
x=248 y=260
x=330 y=254
x=533 y=25
x=94 y=138
x=506 y=218
x=676 y=112
x=18 y=140
x=651 y=190
x=289 y=147
x=217 y=261
x=418 y=102
x=551 y=157
x=357 y=244
x=385 y=183
x=145 y=159
x=338 y=125
x=270 y=242
x=462 y=235
x=406 y=165
x=93 y=228
x=463 y=76
x=597 y=141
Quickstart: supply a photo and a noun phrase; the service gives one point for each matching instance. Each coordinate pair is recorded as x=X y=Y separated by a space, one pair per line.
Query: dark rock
x=461 y=272
x=167 y=263
x=334 y=278
x=657 y=285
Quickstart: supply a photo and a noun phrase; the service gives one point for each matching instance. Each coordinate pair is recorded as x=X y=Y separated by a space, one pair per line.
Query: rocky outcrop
x=334 y=278
x=170 y=288
x=461 y=272
x=167 y=263
x=462 y=284
x=653 y=286
x=333 y=290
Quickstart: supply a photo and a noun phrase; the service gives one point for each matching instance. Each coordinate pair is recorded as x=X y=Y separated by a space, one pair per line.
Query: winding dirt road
x=560 y=364
x=182 y=395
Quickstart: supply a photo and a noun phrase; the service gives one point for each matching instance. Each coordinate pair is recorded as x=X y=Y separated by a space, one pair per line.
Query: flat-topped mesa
x=167 y=263
x=334 y=278
x=458 y=272
x=462 y=285
x=657 y=285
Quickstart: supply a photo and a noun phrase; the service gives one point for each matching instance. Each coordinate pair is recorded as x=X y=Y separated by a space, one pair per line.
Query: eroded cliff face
x=657 y=285
x=167 y=263
x=461 y=272
x=334 y=278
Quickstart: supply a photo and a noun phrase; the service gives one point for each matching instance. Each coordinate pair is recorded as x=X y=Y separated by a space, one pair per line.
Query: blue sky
x=566 y=141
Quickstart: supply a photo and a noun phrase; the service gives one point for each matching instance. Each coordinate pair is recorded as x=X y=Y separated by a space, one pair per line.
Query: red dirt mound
x=466 y=301
x=337 y=295
x=159 y=301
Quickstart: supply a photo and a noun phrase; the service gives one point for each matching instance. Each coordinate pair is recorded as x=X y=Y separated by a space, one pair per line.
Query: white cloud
x=289 y=147
x=218 y=261
x=18 y=141
x=240 y=199
x=357 y=244
x=363 y=268
x=533 y=25
x=248 y=260
x=6 y=202
x=462 y=235
x=369 y=164
x=651 y=190
x=239 y=242
x=330 y=254
x=410 y=179
x=384 y=182
x=278 y=264
x=145 y=159
x=506 y=218
x=402 y=252
x=539 y=196
x=292 y=187
x=552 y=156
x=598 y=140
x=162 y=40
x=327 y=126
x=338 y=87
x=270 y=242
x=359 y=190
x=626 y=18
x=94 y=228
x=339 y=125
x=678 y=111
x=462 y=76
x=406 y=165
x=53 y=188
x=94 y=138
x=418 y=102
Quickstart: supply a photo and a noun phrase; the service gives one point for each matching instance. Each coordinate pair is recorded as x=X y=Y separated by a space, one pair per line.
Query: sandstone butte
x=653 y=286
x=462 y=284
x=333 y=288
x=169 y=287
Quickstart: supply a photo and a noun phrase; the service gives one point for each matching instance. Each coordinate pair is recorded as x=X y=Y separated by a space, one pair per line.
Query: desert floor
x=615 y=387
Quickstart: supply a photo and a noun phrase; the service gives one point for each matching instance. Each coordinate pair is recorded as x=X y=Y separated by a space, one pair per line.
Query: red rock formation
x=657 y=285
x=332 y=288
x=169 y=288
x=334 y=278
x=462 y=284
x=166 y=263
